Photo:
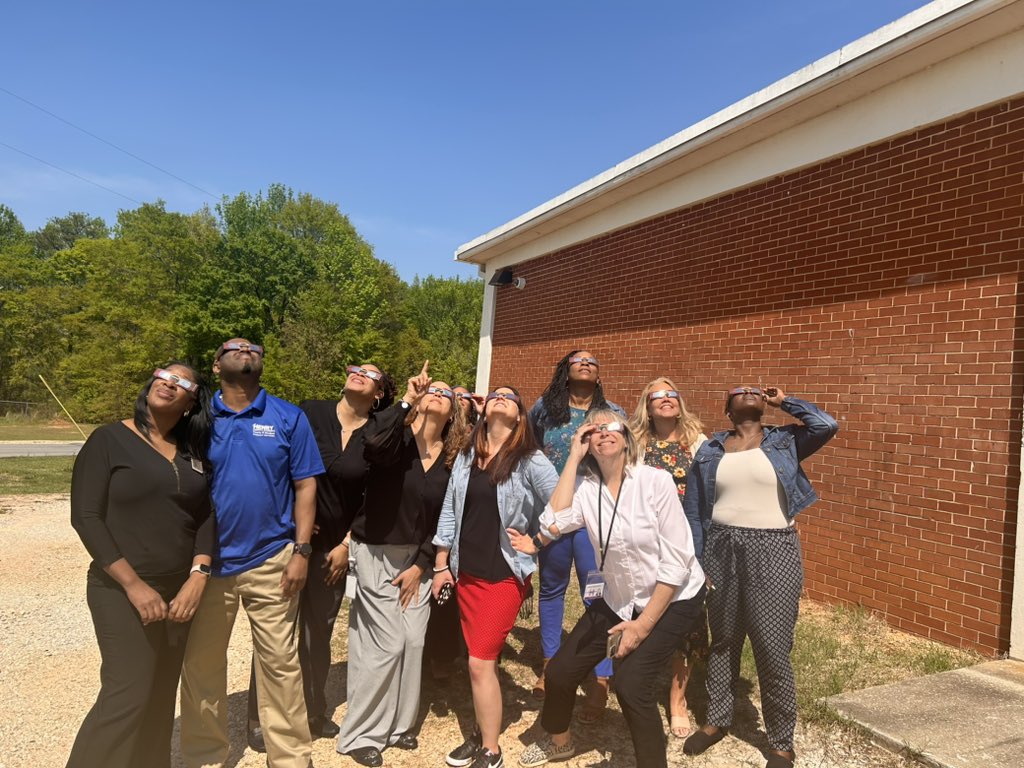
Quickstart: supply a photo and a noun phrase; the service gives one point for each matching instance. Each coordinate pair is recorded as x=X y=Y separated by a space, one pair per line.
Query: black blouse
x=339 y=493
x=480 y=538
x=402 y=502
x=128 y=501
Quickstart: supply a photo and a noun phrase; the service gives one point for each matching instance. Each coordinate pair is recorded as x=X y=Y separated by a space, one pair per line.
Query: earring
x=186 y=413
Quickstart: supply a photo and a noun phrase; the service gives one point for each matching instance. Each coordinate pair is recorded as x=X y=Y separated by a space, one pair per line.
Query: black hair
x=388 y=389
x=192 y=432
x=556 y=396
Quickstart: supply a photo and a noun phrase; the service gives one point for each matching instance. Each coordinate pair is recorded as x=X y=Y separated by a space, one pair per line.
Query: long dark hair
x=556 y=396
x=192 y=432
x=519 y=446
x=387 y=388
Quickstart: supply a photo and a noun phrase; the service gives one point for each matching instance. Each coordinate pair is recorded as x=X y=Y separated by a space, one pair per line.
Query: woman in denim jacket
x=745 y=488
x=500 y=481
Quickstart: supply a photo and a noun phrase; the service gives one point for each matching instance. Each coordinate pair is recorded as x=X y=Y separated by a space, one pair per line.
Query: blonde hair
x=691 y=428
x=589 y=463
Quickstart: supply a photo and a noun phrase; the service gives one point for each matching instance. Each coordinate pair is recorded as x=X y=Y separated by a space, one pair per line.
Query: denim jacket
x=785 y=448
x=521 y=499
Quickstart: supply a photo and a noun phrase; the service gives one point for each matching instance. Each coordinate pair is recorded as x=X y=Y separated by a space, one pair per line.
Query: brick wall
x=882 y=285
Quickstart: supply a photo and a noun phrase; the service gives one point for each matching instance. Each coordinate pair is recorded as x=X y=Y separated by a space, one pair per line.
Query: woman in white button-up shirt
x=647 y=591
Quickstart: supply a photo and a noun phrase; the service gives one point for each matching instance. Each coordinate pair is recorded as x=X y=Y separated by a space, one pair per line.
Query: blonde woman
x=668 y=437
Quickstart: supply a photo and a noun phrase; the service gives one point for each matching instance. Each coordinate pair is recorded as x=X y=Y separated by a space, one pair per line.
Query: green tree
x=61 y=232
x=445 y=313
x=11 y=229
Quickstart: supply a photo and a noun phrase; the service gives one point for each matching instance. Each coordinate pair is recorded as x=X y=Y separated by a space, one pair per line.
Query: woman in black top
x=140 y=503
x=410 y=448
x=338 y=428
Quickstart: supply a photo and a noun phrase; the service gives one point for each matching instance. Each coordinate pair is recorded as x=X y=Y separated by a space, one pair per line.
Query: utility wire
x=108 y=143
x=71 y=173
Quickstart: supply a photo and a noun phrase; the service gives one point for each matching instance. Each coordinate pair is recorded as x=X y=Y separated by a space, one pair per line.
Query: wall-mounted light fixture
x=505 y=277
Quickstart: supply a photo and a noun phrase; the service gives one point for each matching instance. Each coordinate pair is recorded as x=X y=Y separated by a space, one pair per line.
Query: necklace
x=742 y=444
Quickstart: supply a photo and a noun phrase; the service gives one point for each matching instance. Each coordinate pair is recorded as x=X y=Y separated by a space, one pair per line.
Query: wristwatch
x=302 y=549
x=537 y=541
x=202 y=568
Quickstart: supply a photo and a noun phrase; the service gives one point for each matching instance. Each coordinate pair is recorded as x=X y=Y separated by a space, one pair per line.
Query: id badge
x=594 y=588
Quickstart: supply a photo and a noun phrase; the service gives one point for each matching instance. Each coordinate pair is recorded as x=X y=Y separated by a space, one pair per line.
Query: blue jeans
x=556 y=561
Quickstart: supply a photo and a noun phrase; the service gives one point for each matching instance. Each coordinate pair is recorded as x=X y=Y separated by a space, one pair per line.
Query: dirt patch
x=49 y=676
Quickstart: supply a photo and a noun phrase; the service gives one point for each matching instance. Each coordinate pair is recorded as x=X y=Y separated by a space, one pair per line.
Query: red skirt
x=487 y=611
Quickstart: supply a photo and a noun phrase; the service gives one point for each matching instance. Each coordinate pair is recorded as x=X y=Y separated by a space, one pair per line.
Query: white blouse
x=649 y=542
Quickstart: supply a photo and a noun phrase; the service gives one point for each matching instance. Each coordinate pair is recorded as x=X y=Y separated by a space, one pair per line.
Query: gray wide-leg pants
x=758 y=576
x=385 y=648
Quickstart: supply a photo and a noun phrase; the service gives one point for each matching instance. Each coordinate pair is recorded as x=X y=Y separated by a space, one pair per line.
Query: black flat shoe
x=702 y=741
x=775 y=760
x=370 y=756
x=322 y=728
x=407 y=741
x=254 y=738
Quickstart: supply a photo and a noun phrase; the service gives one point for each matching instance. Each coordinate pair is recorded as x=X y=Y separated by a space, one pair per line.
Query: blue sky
x=428 y=123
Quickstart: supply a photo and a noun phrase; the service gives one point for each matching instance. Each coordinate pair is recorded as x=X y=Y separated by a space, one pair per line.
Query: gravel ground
x=49 y=676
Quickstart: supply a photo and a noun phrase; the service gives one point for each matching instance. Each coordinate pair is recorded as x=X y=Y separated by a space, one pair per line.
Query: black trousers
x=319 y=604
x=130 y=724
x=634 y=678
x=758 y=575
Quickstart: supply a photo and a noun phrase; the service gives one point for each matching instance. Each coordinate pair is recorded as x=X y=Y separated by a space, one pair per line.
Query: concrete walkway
x=15 y=448
x=967 y=718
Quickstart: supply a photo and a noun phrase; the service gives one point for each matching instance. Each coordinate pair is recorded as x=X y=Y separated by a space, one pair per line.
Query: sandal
x=680 y=726
x=596 y=701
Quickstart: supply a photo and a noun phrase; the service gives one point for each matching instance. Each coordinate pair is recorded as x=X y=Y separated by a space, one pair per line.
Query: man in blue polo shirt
x=265 y=461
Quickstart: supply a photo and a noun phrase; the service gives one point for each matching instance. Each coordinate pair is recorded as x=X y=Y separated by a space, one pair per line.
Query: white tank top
x=748 y=493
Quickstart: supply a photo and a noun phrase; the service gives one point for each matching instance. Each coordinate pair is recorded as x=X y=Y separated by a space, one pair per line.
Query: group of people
x=439 y=504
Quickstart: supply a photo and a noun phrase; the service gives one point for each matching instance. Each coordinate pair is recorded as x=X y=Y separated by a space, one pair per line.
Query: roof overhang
x=919 y=40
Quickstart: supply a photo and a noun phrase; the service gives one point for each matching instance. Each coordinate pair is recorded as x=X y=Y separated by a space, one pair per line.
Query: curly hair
x=556 y=396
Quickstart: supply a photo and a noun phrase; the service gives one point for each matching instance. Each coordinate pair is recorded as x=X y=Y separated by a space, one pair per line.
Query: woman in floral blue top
x=668 y=436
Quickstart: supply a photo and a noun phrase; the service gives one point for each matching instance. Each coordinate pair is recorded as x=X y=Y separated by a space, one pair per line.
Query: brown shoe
x=538 y=687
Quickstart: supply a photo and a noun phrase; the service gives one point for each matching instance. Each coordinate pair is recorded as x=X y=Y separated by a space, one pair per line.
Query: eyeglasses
x=374 y=375
x=236 y=346
x=173 y=378
x=442 y=392
x=663 y=393
x=503 y=396
x=746 y=391
x=611 y=426
x=580 y=360
x=464 y=395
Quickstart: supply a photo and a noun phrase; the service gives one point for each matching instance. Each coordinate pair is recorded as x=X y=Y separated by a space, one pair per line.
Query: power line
x=108 y=143
x=70 y=173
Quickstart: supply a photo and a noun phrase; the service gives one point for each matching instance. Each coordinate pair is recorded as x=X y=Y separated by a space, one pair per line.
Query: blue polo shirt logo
x=263 y=430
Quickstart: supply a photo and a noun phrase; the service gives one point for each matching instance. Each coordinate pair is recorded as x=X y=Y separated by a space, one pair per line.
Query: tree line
x=95 y=308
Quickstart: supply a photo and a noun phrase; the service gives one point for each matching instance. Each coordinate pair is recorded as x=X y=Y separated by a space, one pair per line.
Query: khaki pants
x=204 y=699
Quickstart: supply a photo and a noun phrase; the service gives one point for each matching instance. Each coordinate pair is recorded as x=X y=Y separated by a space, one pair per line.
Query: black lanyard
x=603 y=545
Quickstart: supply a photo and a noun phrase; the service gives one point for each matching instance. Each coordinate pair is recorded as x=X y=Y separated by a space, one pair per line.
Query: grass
x=842 y=648
x=36 y=474
x=16 y=428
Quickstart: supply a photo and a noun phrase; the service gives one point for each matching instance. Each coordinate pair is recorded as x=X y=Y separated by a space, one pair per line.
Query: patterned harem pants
x=758 y=575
